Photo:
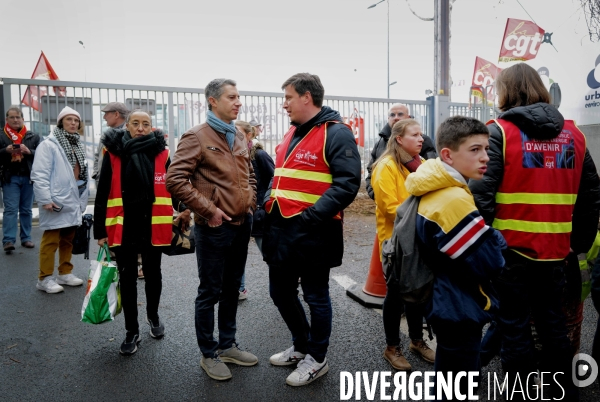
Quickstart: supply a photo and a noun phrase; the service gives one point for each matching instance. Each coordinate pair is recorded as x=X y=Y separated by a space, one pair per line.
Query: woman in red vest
x=542 y=192
x=134 y=215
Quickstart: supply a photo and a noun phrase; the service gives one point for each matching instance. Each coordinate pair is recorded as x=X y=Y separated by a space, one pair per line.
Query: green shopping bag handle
x=103 y=250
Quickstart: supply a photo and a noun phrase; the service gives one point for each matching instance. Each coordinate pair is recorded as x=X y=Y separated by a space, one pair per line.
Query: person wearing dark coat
x=396 y=113
x=264 y=168
x=17 y=150
x=135 y=151
x=534 y=150
x=317 y=175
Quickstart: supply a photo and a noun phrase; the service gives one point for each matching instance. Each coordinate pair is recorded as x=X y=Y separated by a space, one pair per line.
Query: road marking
x=345 y=281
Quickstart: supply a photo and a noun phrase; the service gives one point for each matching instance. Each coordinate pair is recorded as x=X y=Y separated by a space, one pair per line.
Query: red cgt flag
x=521 y=42
x=43 y=71
x=484 y=75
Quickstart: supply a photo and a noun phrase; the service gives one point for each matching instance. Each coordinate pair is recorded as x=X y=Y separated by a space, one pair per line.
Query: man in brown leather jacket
x=212 y=174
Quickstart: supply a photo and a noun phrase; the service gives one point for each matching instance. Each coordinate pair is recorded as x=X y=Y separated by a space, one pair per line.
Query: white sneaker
x=243 y=295
x=307 y=371
x=69 y=280
x=287 y=357
x=49 y=285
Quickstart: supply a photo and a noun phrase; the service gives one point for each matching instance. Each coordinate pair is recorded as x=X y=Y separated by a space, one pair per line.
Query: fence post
x=440 y=110
x=5 y=101
x=171 y=121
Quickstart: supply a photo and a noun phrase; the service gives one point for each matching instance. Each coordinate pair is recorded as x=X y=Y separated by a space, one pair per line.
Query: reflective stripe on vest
x=535 y=201
x=302 y=178
x=162 y=209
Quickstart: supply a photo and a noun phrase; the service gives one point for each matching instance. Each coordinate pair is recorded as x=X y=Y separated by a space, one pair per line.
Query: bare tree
x=591 y=9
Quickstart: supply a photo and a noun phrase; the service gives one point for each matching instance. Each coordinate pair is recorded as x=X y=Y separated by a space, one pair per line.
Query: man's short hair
x=214 y=89
x=305 y=82
x=15 y=109
x=456 y=129
x=520 y=85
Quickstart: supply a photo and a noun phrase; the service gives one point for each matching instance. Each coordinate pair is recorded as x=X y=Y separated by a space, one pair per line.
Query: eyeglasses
x=397 y=114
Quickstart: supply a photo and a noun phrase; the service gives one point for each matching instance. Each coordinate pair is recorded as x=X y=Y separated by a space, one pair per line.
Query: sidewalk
x=36 y=214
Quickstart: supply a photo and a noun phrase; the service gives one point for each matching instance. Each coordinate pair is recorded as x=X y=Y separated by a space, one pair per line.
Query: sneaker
x=421 y=348
x=394 y=355
x=129 y=345
x=140 y=273
x=243 y=295
x=215 y=368
x=49 y=285
x=69 y=280
x=157 y=329
x=307 y=371
x=237 y=356
x=9 y=247
x=287 y=357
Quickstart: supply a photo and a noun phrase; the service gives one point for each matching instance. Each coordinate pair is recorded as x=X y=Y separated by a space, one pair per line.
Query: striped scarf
x=74 y=150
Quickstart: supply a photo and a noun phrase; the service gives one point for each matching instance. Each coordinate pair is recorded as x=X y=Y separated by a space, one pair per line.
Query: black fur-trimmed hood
x=113 y=141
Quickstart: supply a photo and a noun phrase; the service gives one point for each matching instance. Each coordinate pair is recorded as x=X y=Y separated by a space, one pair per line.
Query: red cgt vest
x=162 y=209
x=301 y=179
x=534 y=203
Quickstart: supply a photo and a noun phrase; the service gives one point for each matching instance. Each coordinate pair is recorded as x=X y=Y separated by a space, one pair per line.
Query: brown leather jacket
x=205 y=174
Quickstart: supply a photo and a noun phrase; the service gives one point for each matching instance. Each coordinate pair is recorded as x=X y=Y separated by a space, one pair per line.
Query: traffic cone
x=375 y=285
x=374 y=290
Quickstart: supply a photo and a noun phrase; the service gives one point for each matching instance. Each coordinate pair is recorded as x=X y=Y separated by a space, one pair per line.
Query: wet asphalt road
x=47 y=354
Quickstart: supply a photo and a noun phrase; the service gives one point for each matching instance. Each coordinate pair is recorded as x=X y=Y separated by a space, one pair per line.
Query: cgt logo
x=584 y=370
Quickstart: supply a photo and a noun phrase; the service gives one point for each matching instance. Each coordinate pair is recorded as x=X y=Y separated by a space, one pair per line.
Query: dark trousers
x=393 y=306
x=458 y=346
x=312 y=339
x=127 y=261
x=221 y=253
x=596 y=300
x=491 y=344
x=526 y=288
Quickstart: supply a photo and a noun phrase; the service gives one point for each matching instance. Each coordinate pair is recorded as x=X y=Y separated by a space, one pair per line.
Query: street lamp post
x=388 y=43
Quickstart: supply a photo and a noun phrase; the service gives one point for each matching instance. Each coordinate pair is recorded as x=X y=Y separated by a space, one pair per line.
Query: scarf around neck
x=17 y=138
x=221 y=127
x=73 y=147
x=138 y=176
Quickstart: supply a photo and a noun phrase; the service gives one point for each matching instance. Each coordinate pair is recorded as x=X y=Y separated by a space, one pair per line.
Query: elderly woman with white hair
x=60 y=185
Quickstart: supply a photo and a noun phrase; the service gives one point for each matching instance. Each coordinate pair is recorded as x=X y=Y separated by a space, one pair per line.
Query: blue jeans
x=18 y=199
x=221 y=253
x=528 y=288
x=312 y=339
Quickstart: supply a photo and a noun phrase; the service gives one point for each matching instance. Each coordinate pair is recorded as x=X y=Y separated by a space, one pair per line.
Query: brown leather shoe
x=421 y=348
x=394 y=355
x=28 y=244
x=9 y=247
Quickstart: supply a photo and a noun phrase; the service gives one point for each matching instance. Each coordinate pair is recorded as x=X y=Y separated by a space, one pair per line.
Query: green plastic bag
x=102 y=300
x=586 y=263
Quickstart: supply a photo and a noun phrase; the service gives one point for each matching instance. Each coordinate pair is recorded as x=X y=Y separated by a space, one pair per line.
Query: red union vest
x=534 y=203
x=301 y=179
x=162 y=209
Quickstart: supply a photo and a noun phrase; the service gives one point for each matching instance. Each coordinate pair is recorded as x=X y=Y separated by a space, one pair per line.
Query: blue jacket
x=463 y=252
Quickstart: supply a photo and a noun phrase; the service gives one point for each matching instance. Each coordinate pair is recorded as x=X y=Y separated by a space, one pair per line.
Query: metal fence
x=175 y=110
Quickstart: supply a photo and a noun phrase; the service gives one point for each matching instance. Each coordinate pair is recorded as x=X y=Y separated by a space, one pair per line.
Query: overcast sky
x=260 y=43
